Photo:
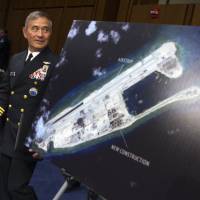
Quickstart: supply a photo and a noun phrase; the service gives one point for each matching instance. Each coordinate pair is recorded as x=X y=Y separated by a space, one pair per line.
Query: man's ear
x=24 y=32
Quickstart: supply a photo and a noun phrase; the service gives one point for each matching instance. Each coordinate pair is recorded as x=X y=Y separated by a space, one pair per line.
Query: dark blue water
x=146 y=93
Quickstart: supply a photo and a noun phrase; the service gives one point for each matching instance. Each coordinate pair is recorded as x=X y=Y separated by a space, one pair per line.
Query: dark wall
x=183 y=14
x=63 y=12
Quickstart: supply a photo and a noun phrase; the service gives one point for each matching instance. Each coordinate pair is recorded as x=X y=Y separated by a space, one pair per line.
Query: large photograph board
x=122 y=110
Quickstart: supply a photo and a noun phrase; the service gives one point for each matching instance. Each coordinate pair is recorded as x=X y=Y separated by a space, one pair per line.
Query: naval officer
x=21 y=92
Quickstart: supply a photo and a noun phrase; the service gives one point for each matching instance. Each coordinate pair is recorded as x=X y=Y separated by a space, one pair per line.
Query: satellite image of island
x=125 y=99
x=105 y=110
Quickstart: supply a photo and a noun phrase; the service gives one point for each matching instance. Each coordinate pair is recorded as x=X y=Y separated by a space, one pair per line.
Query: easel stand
x=61 y=190
x=64 y=186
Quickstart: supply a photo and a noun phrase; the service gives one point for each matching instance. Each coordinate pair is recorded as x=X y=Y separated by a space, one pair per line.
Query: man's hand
x=36 y=155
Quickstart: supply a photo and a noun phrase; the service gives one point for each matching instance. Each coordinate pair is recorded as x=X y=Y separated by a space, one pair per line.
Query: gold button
x=10 y=106
x=25 y=96
x=7 y=119
x=12 y=92
x=18 y=124
x=35 y=82
x=22 y=110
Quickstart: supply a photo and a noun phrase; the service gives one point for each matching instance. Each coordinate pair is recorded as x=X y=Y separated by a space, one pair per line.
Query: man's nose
x=40 y=33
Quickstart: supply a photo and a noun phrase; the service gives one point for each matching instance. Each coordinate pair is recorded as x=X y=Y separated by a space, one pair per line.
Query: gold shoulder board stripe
x=2 y=109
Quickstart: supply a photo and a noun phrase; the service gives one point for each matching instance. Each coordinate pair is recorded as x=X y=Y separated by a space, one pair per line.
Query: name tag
x=12 y=73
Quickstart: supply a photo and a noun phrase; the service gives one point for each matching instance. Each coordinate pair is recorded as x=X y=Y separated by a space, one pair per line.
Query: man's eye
x=34 y=28
x=45 y=29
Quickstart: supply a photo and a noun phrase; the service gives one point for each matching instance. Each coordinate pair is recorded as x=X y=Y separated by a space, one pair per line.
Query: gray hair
x=37 y=14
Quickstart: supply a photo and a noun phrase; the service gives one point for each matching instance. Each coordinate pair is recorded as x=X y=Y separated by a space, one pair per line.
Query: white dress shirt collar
x=35 y=53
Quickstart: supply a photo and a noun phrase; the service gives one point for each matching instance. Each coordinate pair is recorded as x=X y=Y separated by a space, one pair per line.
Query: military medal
x=33 y=91
x=40 y=74
x=46 y=62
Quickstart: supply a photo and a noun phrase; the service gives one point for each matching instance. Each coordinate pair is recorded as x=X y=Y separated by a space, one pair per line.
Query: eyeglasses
x=44 y=29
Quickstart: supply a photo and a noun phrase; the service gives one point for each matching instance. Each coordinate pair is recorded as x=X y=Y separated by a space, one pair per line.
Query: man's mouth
x=39 y=41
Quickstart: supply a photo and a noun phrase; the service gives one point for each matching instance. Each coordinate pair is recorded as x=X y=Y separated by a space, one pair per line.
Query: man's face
x=37 y=32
